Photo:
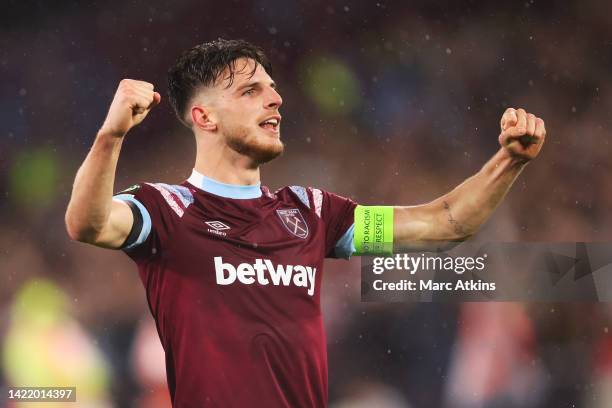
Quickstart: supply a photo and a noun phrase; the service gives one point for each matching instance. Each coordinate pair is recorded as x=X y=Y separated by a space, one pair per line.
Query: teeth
x=272 y=122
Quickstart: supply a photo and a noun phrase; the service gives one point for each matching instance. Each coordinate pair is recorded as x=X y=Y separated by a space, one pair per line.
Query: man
x=233 y=271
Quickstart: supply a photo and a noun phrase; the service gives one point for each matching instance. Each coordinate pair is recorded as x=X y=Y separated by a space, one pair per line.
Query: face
x=247 y=113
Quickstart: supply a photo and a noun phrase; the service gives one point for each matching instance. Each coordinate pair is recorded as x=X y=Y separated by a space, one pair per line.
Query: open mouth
x=271 y=124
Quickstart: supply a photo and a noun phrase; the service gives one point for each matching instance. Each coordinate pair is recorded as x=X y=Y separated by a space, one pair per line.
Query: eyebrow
x=253 y=84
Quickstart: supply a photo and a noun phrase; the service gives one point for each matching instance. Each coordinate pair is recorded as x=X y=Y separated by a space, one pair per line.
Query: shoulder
x=309 y=197
x=176 y=197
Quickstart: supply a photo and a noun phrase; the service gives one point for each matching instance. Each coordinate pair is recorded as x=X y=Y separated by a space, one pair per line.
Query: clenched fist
x=522 y=134
x=131 y=104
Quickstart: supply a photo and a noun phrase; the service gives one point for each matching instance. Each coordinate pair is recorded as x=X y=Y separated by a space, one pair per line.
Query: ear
x=200 y=117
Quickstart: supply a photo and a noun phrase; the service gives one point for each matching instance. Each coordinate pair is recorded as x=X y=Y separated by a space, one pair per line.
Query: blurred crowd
x=386 y=102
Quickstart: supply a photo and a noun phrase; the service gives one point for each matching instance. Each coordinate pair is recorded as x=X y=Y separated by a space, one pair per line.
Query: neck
x=219 y=162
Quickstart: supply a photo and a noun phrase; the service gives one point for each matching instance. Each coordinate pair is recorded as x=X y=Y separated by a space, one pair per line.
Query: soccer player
x=232 y=270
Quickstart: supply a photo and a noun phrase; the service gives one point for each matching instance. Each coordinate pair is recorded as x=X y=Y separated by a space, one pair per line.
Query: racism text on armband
x=373 y=230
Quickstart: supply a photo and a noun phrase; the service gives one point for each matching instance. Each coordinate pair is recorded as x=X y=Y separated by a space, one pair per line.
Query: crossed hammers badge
x=294 y=222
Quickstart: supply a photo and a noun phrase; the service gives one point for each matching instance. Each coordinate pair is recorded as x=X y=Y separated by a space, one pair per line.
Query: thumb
x=510 y=143
x=156 y=100
x=514 y=141
x=508 y=138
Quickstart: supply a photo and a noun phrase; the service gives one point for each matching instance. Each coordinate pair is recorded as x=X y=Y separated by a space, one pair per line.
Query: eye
x=249 y=92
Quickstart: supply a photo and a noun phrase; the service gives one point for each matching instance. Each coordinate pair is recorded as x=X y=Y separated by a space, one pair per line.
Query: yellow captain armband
x=373 y=230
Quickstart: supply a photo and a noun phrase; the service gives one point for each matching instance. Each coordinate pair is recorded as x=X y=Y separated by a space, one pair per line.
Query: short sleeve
x=159 y=206
x=337 y=213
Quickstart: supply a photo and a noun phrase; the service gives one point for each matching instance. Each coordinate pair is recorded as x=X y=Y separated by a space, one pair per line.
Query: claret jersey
x=233 y=279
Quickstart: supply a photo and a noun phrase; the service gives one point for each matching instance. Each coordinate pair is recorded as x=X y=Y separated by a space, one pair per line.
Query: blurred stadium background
x=387 y=102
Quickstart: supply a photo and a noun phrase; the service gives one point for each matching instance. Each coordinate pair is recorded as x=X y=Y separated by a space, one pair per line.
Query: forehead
x=245 y=70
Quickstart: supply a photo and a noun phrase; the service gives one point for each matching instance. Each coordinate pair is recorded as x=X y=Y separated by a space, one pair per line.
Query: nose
x=273 y=100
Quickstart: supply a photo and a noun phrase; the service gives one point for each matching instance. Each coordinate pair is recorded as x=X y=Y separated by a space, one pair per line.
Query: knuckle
x=127 y=92
x=144 y=84
x=508 y=118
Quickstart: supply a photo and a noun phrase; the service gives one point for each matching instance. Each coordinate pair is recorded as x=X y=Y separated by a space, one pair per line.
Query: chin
x=260 y=149
x=267 y=151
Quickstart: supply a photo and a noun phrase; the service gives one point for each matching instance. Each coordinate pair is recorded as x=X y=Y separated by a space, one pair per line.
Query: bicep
x=118 y=226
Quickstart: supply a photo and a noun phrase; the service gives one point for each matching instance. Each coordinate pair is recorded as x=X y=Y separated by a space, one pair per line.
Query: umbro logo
x=217 y=227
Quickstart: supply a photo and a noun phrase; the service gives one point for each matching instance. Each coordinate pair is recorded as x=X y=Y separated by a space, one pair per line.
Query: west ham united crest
x=294 y=222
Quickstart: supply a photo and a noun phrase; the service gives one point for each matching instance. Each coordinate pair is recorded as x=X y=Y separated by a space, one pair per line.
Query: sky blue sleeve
x=345 y=247
x=146 y=219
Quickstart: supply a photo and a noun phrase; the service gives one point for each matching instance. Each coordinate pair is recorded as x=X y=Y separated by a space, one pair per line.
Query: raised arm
x=459 y=214
x=92 y=215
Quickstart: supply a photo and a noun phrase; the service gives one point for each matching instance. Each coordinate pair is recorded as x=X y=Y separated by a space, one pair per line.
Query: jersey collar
x=224 y=190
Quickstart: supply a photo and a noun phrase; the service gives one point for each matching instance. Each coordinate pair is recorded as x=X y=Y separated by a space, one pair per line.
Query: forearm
x=90 y=204
x=467 y=207
x=459 y=214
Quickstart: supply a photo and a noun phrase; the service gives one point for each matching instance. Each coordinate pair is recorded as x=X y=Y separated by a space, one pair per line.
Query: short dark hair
x=203 y=64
